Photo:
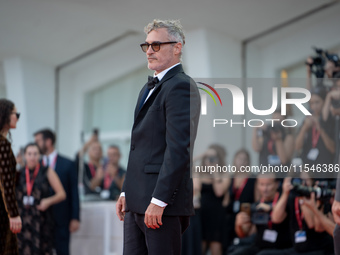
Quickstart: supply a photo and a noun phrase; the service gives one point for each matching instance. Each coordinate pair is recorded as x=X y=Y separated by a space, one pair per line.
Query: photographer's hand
x=264 y=207
x=336 y=211
x=242 y=224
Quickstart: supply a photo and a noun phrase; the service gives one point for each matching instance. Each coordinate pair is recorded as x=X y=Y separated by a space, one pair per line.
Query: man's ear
x=178 y=48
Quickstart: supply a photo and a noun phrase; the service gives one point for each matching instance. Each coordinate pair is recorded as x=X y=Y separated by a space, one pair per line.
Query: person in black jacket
x=158 y=189
x=66 y=213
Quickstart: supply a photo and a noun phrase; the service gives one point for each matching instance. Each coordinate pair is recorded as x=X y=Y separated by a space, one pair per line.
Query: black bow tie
x=152 y=82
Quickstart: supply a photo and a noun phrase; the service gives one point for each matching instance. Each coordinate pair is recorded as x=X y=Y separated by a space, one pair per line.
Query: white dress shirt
x=52 y=159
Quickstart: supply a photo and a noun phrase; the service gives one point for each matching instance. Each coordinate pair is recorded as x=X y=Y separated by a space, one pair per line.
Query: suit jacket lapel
x=167 y=76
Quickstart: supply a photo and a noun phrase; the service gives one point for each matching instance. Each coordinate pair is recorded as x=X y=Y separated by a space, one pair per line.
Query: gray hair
x=174 y=28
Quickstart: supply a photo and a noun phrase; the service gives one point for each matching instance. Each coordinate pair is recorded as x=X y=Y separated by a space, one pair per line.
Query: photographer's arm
x=326 y=107
x=279 y=210
x=257 y=141
x=284 y=148
x=308 y=216
x=329 y=143
x=301 y=135
x=221 y=186
x=322 y=222
x=309 y=74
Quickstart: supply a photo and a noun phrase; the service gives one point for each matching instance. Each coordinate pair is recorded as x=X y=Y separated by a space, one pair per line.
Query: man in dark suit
x=66 y=213
x=157 y=195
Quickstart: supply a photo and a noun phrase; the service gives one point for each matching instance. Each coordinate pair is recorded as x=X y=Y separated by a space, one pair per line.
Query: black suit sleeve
x=74 y=193
x=337 y=192
x=177 y=153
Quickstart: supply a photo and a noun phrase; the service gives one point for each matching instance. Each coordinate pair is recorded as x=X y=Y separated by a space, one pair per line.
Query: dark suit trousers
x=166 y=240
x=62 y=240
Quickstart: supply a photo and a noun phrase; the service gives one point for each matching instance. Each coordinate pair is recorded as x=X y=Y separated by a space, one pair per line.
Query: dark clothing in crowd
x=324 y=155
x=264 y=239
x=8 y=203
x=315 y=241
x=192 y=237
x=36 y=236
x=68 y=209
x=212 y=215
x=268 y=153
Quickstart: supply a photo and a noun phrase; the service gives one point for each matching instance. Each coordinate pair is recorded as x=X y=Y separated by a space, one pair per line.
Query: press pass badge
x=274 y=160
x=28 y=201
x=105 y=194
x=270 y=235
x=236 y=206
x=313 y=154
x=300 y=236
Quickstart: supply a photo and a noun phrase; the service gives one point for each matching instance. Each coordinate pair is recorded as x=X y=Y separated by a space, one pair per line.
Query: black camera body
x=323 y=192
x=257 y=215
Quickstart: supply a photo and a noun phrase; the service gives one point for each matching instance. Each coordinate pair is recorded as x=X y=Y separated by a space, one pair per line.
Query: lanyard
x=298 y=215
x=107 y=181
x=29 y=183
x=238 y=191
x=315 y=136
x=92 y=169
x=270 y=223
x=270 y=146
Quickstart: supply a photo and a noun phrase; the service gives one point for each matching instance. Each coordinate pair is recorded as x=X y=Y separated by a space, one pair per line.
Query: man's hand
x=15 y=224
x=153 y=216
x=120 y=208
x=74 y=225
x=336 y=211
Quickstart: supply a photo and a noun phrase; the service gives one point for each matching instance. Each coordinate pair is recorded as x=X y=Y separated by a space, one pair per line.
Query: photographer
x=94 y=152
x=315 y=138
x=305 y=224
x=255 y=218
x=275 y=144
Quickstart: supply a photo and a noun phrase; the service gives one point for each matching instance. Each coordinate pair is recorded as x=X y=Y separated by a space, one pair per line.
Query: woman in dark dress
x=241 y=190
x=214 y=189
x=35 y=201
x=10 y=222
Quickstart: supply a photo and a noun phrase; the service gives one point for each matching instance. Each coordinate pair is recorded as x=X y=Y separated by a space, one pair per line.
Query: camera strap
x=276 y=198
x=29 y=182
x=299 y=216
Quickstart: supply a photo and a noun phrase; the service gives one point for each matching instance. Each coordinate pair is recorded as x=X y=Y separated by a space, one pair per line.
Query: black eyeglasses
x=156 y=46
x=17 y=114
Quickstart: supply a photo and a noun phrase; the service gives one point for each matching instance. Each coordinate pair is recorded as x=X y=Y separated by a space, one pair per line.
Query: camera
x=276 y=128
x=257 y=215
x=323 y=192
x=319 y=61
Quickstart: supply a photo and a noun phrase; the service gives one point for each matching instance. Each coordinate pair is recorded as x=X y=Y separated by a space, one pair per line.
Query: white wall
x=30 y=85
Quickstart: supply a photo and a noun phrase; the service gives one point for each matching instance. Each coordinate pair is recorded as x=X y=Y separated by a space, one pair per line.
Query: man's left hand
x=153 y=216
x=74 y=225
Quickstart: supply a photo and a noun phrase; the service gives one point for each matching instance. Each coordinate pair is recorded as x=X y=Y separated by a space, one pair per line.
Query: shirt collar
x=161 y=74
x=51 y=157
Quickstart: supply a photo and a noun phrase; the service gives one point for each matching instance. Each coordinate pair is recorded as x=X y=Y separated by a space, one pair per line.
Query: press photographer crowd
x=245 y=213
